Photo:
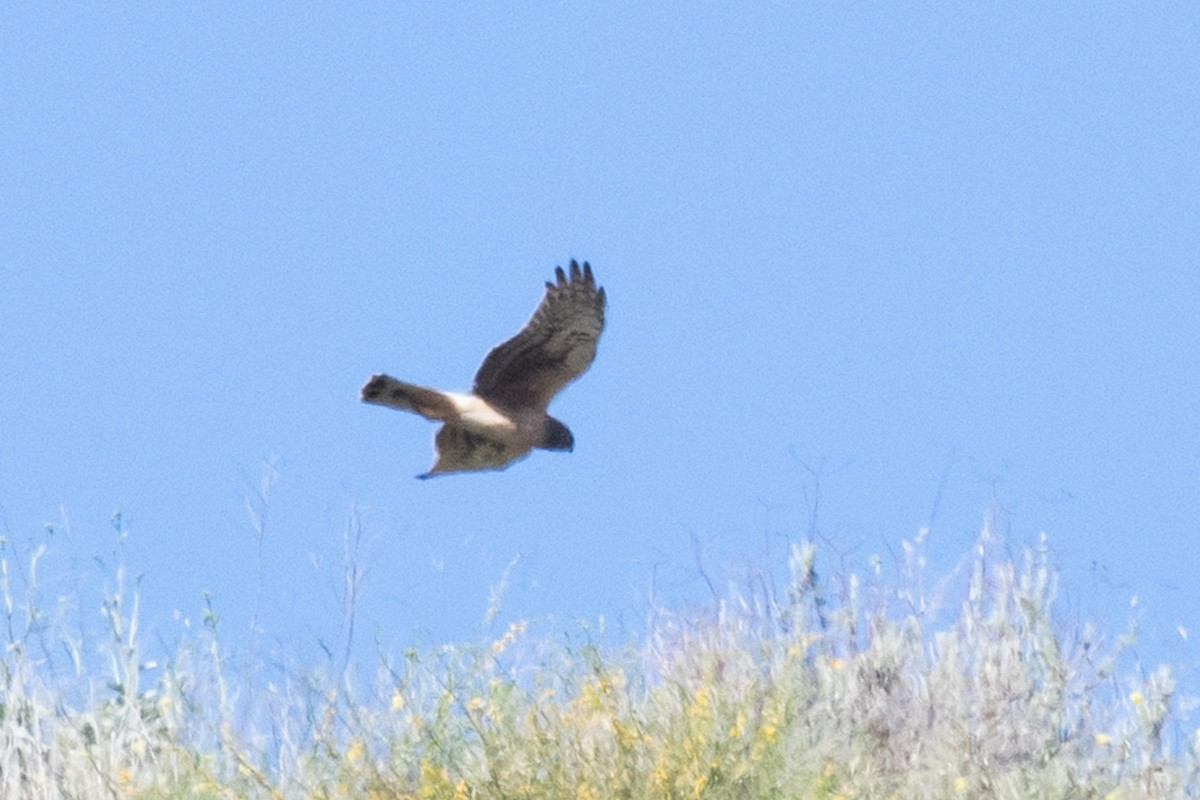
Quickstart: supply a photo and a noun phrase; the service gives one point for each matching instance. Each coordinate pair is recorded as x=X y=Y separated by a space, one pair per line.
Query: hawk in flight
x=504 y=416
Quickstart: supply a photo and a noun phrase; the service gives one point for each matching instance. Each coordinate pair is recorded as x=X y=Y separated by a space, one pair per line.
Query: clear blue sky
x=945 y=256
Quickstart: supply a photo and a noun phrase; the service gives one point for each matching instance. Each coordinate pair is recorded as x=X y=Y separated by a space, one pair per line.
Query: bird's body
x=504 y=417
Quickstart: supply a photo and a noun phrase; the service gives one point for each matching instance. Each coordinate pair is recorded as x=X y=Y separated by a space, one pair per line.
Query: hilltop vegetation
x=828 y=688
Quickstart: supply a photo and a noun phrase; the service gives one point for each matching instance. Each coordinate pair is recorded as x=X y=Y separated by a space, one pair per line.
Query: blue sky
x=938 y=260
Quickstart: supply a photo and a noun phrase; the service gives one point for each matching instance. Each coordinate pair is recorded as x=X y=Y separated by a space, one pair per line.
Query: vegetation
x=827 y=689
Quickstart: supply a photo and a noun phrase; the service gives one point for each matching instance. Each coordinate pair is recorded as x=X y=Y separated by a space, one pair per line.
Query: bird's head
x=557 y=436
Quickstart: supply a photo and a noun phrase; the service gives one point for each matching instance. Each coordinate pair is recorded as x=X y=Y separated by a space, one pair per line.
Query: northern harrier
x=504 y=416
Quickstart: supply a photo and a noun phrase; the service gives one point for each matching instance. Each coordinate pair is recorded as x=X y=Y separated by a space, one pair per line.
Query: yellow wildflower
x=589 y=697
x=627 y=735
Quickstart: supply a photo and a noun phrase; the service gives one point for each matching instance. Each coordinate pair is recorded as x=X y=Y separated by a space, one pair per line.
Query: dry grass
x=828 y=690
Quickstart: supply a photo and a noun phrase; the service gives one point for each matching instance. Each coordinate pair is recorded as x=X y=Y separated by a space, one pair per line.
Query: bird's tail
x=384 y=390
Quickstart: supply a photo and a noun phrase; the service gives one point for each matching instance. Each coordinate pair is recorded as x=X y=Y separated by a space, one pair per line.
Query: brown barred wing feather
x=555 y=347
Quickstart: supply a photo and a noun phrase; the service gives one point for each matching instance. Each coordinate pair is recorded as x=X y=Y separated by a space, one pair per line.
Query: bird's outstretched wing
x=555 y=347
